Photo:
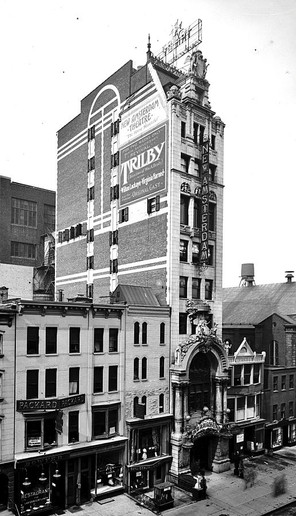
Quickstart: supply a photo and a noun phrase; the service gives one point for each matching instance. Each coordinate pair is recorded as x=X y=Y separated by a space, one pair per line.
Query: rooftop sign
x=181 y=42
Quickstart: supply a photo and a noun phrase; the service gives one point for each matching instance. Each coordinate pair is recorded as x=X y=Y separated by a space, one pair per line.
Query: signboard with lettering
x=141 y=118
x=182 y=41
x=142 y=167
x=53 y=404
x=205 y=197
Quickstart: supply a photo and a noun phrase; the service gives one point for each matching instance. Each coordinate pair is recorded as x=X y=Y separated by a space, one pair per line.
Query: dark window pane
x=144 y=333
x=50 y=383
x=98 y=340
x=32 y=384
x=73 y=431
x=50 y=340
x=74 y=380
x=113 y=340
x=98 y=379
x=32 y=340
x=112 y=378
x=74 y=340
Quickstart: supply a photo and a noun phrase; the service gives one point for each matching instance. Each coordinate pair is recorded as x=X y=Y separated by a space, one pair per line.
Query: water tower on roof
x=247 y=275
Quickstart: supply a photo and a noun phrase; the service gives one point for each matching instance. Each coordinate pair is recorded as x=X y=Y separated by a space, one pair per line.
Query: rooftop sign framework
x=181 y=42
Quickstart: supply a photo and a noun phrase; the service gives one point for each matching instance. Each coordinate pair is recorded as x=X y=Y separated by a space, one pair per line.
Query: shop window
x=277 y=437
x=247 y=374
x=291 y=381
x=197 y=213
x=250 y=407
x=196 y=288
x=292 y=433
x=283 y=410
x=184 y=206
x=98 y=340
x=74 y=380
x=113 y=340
x=208 y=289
x=274 y=412
x=112 y=385
x=161 y=403
x=183 y=287
x=237 y=375
x=283 y=383
x=182 y=324
x=144 y=368
x=32 y=340
x=161 y=367
x=275 y=383
x=183 y=250
x=40 y=433
x=144 y=333
x=32 y=384
x=73 y=426
x=291 y=408
x=153 y=204
x=50 y=383
x=274 y=353
x=162 y=333
x=185 y=162
x=195 y=253
x=136 y=369
x=74 y=343
x=212 y=216
x=98 y=379
x=136 y=333
x=51 y=340
x=240 y=412
x=104 y=422
x=149 y=443
x=257 y=373
x=183 y=129
x=24 y=213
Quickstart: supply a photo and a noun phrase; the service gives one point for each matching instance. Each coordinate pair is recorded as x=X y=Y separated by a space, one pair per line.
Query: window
x=91 y=164
x=115 y=159
x=74 y=380
x=144 y=368
x=283 y=383
x=90 y=235
x=136 y=369
x=113 y=266
x=50 y=383
x=283 y=410
x=153 y=204
x=113 y=237
x=183 y=250
x=183 y=129
x=197 y=167
x=32 y=384
x=114 y=128
x=208 y=289
x=144 y=333
x=162 y=333
x=90 y=290
x=40 y=433
x=212 y=172
x=123 y=215
x=74 y=340
x=291 y=381
x=212 y=216
x=73 y=426
x=274 y=353
x=49 y=216
x=201 y=134
x=136 y=333
x=104 y=422
x=196 y=288
x=24 y=213
x=185 y=163
x=98 y=340
x=91 y=132
x=195 y=132
x=275 y=383
x=197 y=213
x=184 y=205
x=114 y=192
x=23 y=250
x=135 y=405
x=211 y=255
x=161 y=367
x=247 y=374
x=113 y=340
x=237 y=371
x=213 y=141
x=32 y=340
x=98 y=379
x=1 y=345
x=51 y=340
x=274 y=412
x=256 y=373
x=90 y=262
x=183 y=286
x=161 y=403
x=112 y=386
x=240 y=414
x=291 y=408
x=182 y=324
x=144 y=402
x=195 y=253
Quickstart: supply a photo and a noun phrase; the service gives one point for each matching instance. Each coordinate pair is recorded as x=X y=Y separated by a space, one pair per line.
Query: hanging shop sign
x=53 y=404
x=205 y=198
x=143 y=167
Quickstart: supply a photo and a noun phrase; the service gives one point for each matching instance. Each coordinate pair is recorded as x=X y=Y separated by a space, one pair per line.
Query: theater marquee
x=142 y=167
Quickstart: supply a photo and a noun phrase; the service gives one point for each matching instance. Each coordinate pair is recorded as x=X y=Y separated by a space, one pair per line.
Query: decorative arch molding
x=102 y=90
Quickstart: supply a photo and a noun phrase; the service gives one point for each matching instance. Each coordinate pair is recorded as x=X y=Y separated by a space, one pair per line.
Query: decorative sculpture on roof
x=198 y=65
x=205 y=337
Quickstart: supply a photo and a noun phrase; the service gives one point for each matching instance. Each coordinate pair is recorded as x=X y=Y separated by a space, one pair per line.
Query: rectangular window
x=195 y=132
x=213 y=141
x=283 y=383
x=90 y=262
x=212 y=216
x=201 y=134
x=113 y=340
x=208 y=289
x=195 y=253
x=240 y=413
x=51 y=340
x=90 y=235
x=183 y=287
x=123 y=215
x=291 y=408
x=291 y=381
x=40 y=432
x=182 y=324
x=184 y=205
x=237 y=371
x=283 y=410
x=23 y=250
x=112 y=385
x=113 y=266
x=212 y=173
x=73 y=427
x=211 y=255
x=98 y=379
x=185 y=163
x=256 y=373
x=196 y=288
x=247 y=374
x=197 y=213
x=250 y=407
x=24 y=213
x=113 y=237
x=91 y=164
x=32 y=384
x=32 y=340
x=49 y=216
x=104 y=422
x=98 y=340
x=153 y=204
x=275 y=383
x=91 y=132
x=197 y=167
x=50 y=383
x=74 y=335
x=183 y=251
x=183 y=129
x=74 y=380
x=274 y=412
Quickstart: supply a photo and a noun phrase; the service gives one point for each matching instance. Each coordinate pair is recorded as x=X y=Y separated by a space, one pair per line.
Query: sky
x=55 y=52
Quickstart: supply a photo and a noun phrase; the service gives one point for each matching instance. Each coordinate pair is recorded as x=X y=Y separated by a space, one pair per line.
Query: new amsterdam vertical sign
x=205 y=196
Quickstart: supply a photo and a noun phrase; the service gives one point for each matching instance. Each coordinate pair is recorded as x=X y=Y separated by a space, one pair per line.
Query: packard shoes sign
x=52 y=404
x=142 y=167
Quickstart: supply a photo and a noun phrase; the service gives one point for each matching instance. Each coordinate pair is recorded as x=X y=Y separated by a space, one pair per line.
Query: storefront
x=281 y=433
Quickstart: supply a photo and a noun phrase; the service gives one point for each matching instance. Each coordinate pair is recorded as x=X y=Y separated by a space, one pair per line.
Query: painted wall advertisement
x=142 y=118
x=142 y=167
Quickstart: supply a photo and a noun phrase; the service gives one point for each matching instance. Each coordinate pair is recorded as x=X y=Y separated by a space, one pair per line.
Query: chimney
x=247 y=275
x=3 y=294
x=289 y=276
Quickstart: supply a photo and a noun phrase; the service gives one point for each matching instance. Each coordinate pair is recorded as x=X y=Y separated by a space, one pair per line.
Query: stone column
x=178 y=410
x=219 y=409
x=224 y=397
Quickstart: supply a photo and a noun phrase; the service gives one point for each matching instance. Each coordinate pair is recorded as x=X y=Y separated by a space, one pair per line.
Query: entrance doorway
x=3 y=491
x=203 y=453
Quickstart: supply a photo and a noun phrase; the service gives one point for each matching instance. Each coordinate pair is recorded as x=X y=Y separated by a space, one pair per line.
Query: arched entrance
x=3 y=491
x=203 y=453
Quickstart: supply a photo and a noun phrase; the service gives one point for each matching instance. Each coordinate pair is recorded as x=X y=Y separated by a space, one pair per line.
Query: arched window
x=161 y=367
x=136 y=333
x=136 y=402
x=144 y=402
x=144 y=333
x=162 y=333
x=136 y=369
x=161 y=403
x=144 y=368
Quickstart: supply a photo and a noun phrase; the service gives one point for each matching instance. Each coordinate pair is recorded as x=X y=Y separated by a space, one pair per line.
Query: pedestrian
x=203 y=484
x=236 y=460
x=241 y=468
